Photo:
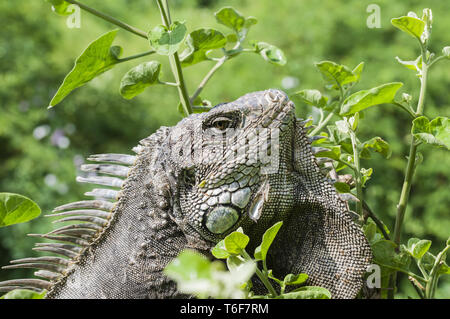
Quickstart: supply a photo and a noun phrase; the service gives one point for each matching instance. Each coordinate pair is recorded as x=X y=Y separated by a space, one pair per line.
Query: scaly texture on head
x=246 y=164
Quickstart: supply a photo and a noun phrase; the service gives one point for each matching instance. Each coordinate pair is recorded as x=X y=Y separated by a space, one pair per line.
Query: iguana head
x=245 y=163
x=226 y=161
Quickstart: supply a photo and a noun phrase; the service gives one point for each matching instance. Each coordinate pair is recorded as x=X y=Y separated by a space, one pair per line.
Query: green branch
x=110 y=19
x=410 y=166
x=136 y=56
x=261 y=276
x=175 y=64
x=321 y=124
x=357 y=170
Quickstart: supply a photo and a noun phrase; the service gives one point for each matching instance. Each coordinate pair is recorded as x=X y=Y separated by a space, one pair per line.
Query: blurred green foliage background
x=41 y=149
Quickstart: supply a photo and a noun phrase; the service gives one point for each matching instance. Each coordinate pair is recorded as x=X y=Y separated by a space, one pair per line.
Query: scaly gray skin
x=188 y=187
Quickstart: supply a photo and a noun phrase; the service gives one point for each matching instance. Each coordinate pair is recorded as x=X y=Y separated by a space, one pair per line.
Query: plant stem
x=410 y=167
x=417 y=286
x=110 y=19
x=377 y=221
x=321 y=125
x=430 y=288
x=410 y=112
x=357 y=170
x=208 y=76
x=436 y=60
x=260 y=275
x=176 y=65
x=136 y=56
x=211 y=72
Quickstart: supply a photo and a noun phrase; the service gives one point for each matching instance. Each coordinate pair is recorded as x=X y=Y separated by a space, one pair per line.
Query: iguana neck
x=128 y=259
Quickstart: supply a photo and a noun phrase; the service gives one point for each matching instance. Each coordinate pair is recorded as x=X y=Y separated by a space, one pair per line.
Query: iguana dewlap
x=247 y=163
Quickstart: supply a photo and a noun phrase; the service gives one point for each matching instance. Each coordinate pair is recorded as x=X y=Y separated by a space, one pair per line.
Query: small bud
x=446 y=52
x=406 y=98
x=412 y=15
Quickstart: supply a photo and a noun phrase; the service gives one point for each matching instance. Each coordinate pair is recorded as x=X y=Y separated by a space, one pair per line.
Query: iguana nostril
x=220 y=219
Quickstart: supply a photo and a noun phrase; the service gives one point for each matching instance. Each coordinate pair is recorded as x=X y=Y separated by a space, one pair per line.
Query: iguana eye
x=221 y=123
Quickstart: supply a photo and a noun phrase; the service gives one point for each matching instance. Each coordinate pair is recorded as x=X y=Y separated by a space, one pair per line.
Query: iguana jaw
x=233 y=189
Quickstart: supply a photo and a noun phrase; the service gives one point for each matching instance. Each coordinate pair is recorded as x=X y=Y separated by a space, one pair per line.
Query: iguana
x=190 y=185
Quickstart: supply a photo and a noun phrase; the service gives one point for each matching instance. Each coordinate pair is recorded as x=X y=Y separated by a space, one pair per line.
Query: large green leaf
x=138 y=78
x=95 y=60
x=233 y=19
x=363 y=99
x=268 y=238
x=436 y=132
x=270 y=53
x=312 y=97
x=413 y=26
x=24 y=294
x=236 y=242
x=15 y=209
x=385 y=255
x=376 y=144
x=167 y=41
x=334 y=153
x=219 y=251
x=417 y=248
x=199 y=42
x=338 y=74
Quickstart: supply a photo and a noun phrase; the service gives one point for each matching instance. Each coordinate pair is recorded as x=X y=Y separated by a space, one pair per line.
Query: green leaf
x=436 y=132
x=413 y=26
x=370 y=230
x=292 y=279
x=337 y=74
x=167 y=41
x=138 y=78
x=24 y=294
x=189 y=265
x=428 y=260
x=377 y=144
x=219 y=251
x=267 y=239
x=199 y=42
x=342 y=187
x=363 y=99
x=236 y=242
x=357 y=71
x=15 y=209
x=60 y=7
x=366 y=173
x=270 y=53
x=307 y=292
x=312 y=97
x=271 y=276
x=333 y=153
x=385 y=255
x=412 y=65
x=234 y=263
x=233 y=19
x=95 y=60
x=418 y=248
